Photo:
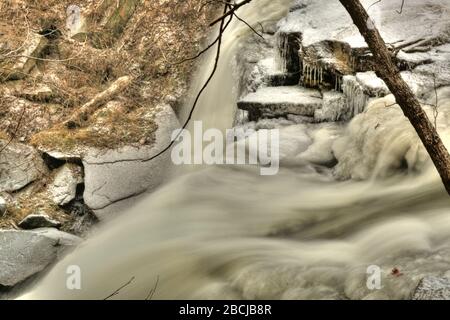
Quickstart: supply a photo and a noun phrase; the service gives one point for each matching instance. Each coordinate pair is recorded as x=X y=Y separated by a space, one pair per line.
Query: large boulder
x=19 y=166
x=26 y=253
x=114 y=176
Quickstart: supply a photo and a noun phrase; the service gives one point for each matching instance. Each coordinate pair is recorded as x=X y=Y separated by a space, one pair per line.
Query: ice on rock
x=356 y=97
x=381 y=141
x=337 y=49
x=273 y=102
x=311 y=19
x=371 y=84
x=313 y=74
x=334 y=108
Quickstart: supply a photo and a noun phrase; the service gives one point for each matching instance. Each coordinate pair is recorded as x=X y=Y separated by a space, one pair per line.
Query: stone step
x=273 y=102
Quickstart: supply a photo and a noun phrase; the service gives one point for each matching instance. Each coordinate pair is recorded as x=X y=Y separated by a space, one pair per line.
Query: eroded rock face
x=19 y=166
x=433 y=288
x=113 y=176
x=64 y=186
x=25 y=253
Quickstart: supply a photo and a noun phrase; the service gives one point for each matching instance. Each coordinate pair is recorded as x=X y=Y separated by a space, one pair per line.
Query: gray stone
x=26 y=253
x=113 y=176
x=19 y=166
x=273 y=102
x=64 y=186
x=433 y=288
x=2 y=206
x=25 y=63
x=34 y=221
x=62 y=238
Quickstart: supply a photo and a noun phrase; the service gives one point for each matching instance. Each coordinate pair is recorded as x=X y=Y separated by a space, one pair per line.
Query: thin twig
x=248 y=25
x=118 y=290
x=152 y=292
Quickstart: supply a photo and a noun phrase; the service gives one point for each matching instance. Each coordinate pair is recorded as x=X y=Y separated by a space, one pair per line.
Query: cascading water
x=227 y=232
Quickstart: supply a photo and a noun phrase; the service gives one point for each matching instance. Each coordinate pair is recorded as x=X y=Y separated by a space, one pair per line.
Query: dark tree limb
x=230 y=12
x=412 y=109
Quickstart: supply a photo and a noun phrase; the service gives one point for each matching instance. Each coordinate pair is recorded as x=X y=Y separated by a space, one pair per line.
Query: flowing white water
x=227 y=232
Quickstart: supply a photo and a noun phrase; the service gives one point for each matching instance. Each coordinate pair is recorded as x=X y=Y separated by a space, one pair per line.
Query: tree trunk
x=387 y=70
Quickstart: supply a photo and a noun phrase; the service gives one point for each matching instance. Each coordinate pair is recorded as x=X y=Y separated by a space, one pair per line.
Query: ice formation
x=381 y=140
x=313 y=74
x=334 y=108
x=354 y=93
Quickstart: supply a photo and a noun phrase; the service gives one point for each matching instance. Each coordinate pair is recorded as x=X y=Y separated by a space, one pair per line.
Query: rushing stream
x=228 y=232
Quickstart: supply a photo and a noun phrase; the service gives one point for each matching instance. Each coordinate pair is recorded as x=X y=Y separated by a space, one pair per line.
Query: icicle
x=314 y=76
x=310 y=74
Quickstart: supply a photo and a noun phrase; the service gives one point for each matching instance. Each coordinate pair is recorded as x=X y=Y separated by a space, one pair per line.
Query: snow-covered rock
x=273 y=102
x=19 y=166
x=336 y=48
x=371 y=84
x=334 y=107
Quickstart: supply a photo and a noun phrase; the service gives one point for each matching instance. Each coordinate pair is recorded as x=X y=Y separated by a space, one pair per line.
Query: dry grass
x=160 y=34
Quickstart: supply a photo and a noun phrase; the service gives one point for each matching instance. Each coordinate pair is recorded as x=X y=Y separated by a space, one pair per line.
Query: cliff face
x=59 y=56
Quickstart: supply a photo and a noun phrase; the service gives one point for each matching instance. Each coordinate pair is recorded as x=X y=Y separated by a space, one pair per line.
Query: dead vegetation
x=74 y=70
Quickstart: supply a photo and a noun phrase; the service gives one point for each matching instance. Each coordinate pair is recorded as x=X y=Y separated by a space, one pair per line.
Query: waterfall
x=225 y=232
